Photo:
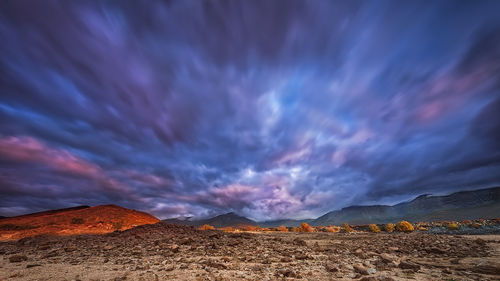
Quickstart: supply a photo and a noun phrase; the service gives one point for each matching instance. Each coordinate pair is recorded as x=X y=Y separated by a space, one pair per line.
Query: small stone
x=174 y=248
x=360 y=269
x=32 y=265
x=409 y=265
x=18 y=258
x=386 y=258
x=330 y=267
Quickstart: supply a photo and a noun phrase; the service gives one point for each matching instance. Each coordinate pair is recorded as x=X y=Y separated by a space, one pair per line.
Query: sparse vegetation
x=404 y=226
x=226 y=229
x=305 y=227
x=77 y=221
x=453 y=226
x=347 y=228
x=117 y=225
x=374 y=228
x=389 y=227
x=332 y=228
x=475 y=225
x=207 y=227
x=10 y=226
x=282 y=228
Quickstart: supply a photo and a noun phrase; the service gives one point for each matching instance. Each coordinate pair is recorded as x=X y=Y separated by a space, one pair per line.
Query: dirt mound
x=93 y=220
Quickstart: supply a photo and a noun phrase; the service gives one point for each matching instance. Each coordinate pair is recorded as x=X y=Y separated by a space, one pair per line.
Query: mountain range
x=482 y=203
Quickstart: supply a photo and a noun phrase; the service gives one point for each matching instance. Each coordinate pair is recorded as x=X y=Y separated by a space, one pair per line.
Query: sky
x=270 y=109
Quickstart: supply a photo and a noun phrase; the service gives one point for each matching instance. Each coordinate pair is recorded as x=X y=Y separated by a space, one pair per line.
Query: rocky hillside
x=79 y=220
x=483 y=203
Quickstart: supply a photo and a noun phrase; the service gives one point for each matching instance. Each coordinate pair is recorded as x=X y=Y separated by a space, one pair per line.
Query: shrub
x=227 y=229
x=295 y=229
x=374 y=228
x=77 y=221
x=347 y=228
x=404 y=226
x=207 y=227
x=453 y=226
x=475 y=225
x=332 y=228
x=282 y=228
x=118 y=225
x=249 y=227
x=389 y=227
x=421 y=228
x=305 y=227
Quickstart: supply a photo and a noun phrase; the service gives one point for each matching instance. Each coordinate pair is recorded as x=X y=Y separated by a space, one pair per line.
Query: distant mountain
x=483 y=203
x=71 y=221
x=229 y=219
x=285 y=222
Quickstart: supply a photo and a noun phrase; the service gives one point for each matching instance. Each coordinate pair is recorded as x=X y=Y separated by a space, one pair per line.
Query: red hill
x=71 y=221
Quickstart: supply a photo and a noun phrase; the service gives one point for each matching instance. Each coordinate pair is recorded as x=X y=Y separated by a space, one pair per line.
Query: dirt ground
x=167 y=252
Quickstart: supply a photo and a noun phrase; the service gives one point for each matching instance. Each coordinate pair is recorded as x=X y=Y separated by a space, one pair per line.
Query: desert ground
x=169 y=252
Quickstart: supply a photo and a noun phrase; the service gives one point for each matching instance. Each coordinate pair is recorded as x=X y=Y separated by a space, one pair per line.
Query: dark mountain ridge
x=462 y=205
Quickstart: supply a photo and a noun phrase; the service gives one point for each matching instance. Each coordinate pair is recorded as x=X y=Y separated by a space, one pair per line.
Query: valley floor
x=167 y=252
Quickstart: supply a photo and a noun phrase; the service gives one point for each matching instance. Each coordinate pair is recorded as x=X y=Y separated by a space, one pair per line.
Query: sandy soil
x=168 y=252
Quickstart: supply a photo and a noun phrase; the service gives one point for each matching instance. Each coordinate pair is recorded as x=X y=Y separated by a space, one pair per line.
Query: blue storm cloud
x=272 y=109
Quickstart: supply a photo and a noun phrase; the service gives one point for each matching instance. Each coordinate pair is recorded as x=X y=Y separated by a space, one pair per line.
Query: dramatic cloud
x=271 y=109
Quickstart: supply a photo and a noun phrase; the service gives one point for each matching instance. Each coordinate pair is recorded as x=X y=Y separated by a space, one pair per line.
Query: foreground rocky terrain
x=165 y=252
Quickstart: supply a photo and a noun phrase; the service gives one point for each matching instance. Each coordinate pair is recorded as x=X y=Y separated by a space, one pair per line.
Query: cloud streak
x=282 y=109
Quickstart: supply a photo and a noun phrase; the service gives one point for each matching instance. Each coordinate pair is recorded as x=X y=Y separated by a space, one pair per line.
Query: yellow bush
x=207 y=227
x=374 y=228
x=453 y=226
x=475 y=225
x=304 y=227
x=282 y=228
x=332 y=228
x=421 y=228
x=404 y=226
x=347 y=228
x=389 y=227
x=295 y=229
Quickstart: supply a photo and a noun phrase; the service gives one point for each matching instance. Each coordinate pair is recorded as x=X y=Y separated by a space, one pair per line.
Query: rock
x=409 y=265
x=299 y=242
x=368 y=278
x=286 y=272
x=487 y=268
x=174 y=248
x=386 y=258
x=393 y=249
x=359 y=268
x=18 y=258
x=446 y=270
x=32 y=265
x=331 y=267
x=285 y=259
